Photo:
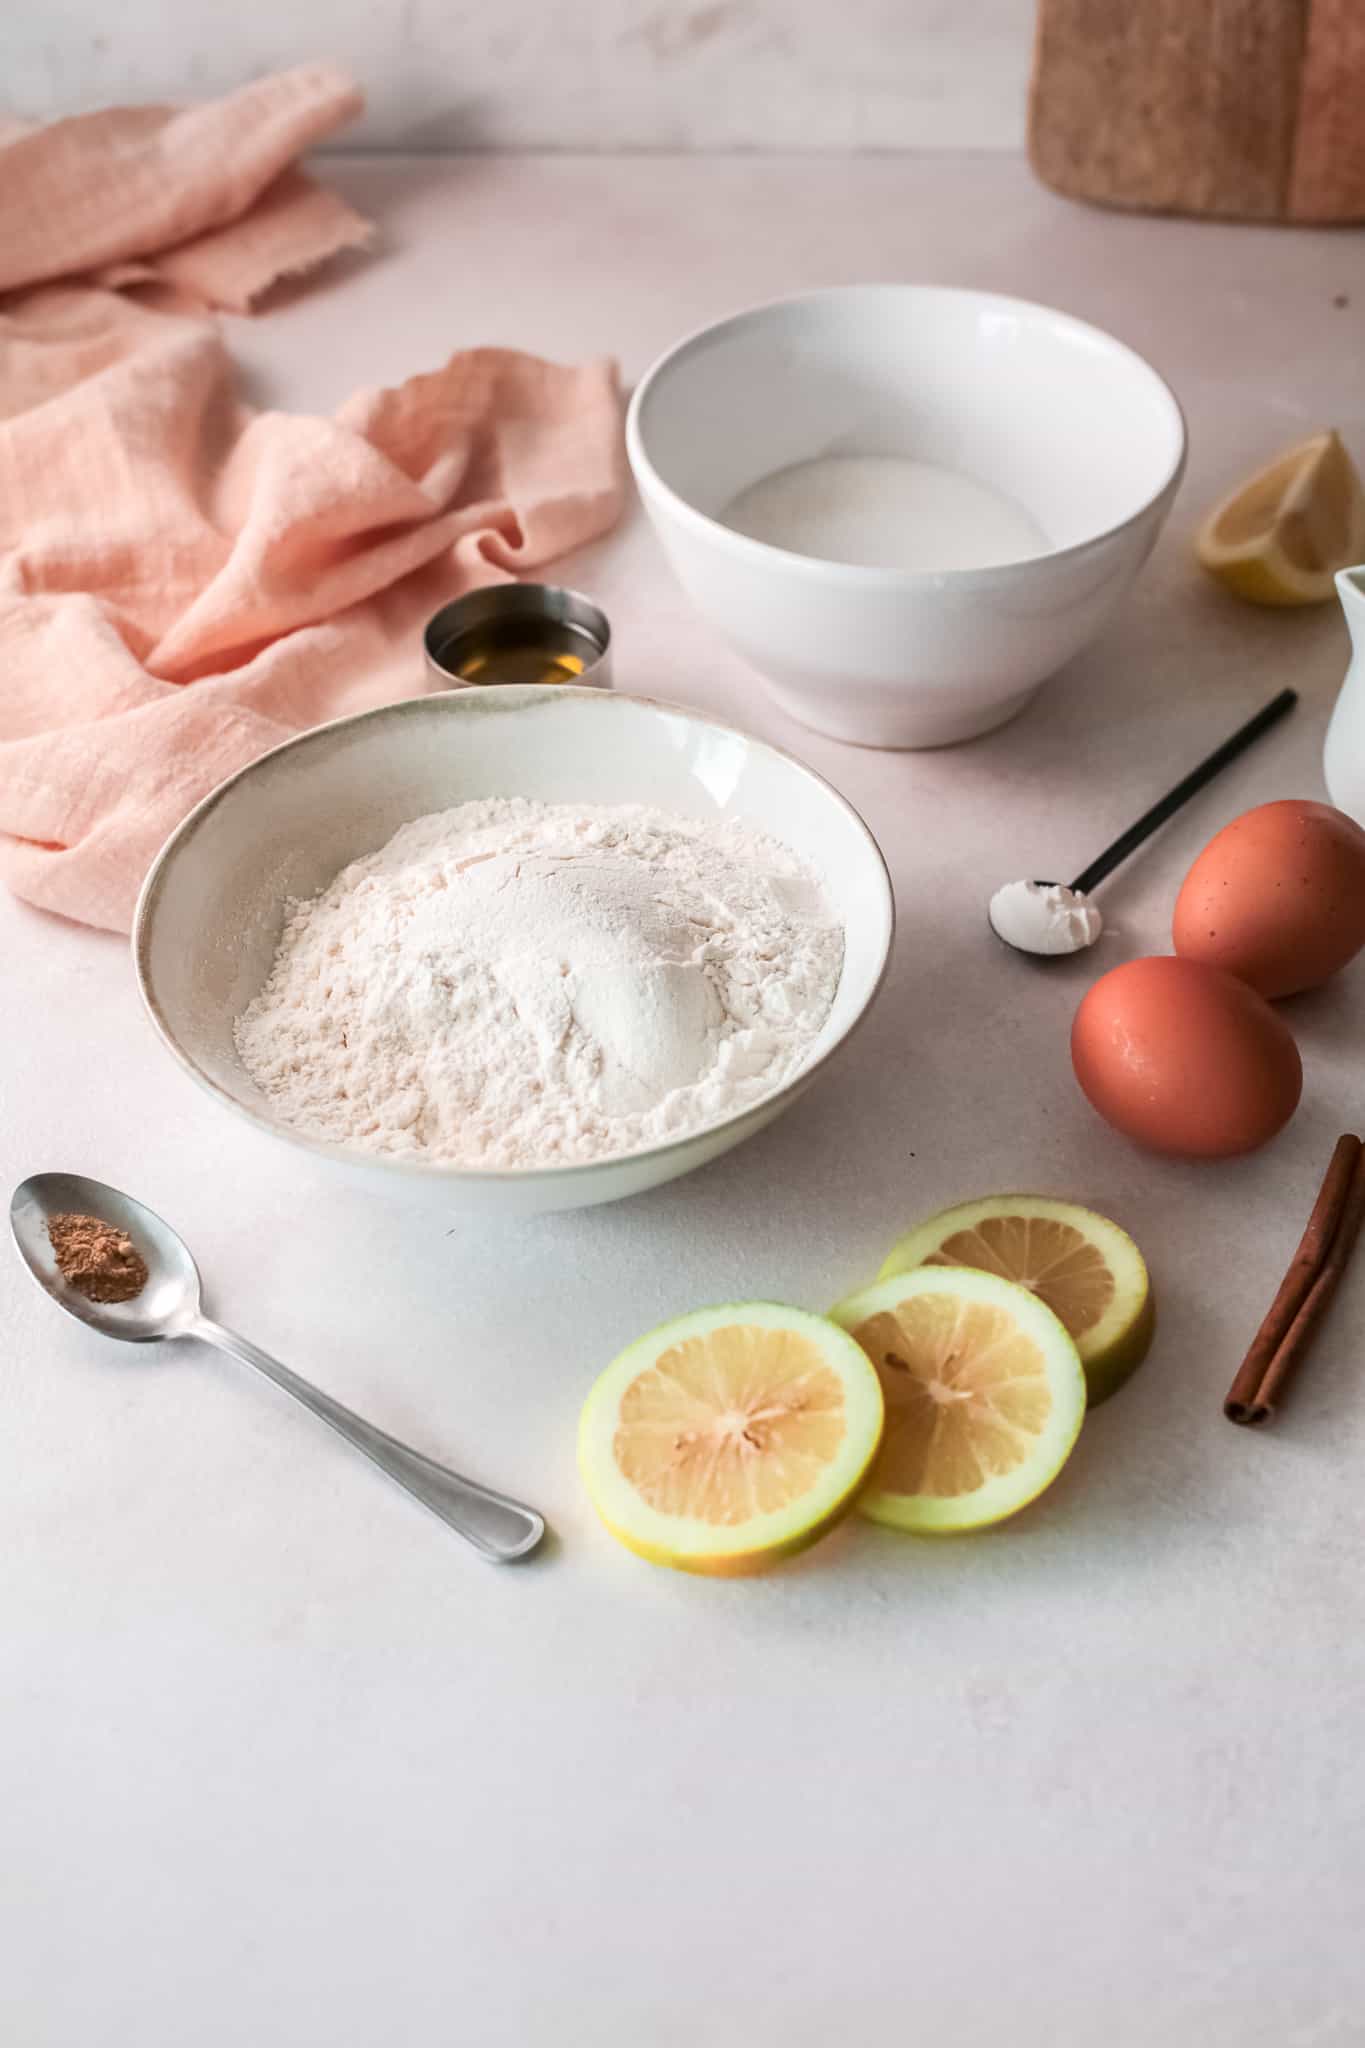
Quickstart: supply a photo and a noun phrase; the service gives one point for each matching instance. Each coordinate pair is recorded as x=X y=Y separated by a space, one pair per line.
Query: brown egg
x=1277 y=898
x=1183 y=1058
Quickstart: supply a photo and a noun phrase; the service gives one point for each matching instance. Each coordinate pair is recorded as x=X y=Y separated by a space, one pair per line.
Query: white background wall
x=561 y=74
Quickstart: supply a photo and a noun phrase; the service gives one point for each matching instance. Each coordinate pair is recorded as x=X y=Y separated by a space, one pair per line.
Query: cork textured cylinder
x=1242 y=109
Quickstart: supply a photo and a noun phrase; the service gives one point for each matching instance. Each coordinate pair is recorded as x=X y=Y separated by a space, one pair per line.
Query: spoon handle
x=1190 y=785
x=498 y=1528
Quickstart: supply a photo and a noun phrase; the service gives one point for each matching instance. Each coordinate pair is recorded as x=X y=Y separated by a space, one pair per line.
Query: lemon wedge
x=1281 y=537
x=984 y=1396
x=730 y=1438
x=1088 y=1271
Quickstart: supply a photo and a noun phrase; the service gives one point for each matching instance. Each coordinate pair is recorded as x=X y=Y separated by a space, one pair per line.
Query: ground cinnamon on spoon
x=101 y=1262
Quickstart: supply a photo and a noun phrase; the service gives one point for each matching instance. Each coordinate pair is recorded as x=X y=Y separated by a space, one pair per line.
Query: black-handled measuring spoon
x=1043 y=919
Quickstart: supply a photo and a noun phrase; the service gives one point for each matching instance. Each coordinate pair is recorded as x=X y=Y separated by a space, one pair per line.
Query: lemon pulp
x=730 y=1425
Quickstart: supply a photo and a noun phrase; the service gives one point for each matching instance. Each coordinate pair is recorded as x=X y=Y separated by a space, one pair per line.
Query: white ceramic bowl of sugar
x=1043 y=423
x=212 y=908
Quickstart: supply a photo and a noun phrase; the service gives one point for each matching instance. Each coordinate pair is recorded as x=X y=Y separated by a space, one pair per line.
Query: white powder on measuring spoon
x=519 y=984
x=1044 y=917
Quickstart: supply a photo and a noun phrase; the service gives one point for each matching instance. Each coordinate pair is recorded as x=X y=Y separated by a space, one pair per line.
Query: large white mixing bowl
x=1056 y=415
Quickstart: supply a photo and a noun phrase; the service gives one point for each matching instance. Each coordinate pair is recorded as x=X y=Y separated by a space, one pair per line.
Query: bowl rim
x=865 y=576
x=154 y=882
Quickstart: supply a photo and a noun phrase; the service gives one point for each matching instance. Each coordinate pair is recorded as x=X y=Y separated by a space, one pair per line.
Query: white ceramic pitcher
x=1343 y=761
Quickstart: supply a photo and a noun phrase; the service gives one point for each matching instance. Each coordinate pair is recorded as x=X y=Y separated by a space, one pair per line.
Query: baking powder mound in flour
x=515 y=984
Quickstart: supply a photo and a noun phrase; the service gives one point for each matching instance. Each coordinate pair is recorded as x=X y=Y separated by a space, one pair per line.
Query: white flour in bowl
x=516 y=984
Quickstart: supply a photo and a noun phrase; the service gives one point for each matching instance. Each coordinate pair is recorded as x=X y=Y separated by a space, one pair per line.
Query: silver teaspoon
x=169 y=1306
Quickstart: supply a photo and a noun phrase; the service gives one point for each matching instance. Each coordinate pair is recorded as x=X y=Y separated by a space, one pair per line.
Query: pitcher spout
x=1344 y=754
x=1351 y=591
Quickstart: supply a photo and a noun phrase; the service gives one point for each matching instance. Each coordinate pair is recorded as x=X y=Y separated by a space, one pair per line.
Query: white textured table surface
x=281 y=1763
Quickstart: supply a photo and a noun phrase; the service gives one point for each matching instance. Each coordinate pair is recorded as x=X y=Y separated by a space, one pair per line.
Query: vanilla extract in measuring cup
x=519 y=633
x=519 y=651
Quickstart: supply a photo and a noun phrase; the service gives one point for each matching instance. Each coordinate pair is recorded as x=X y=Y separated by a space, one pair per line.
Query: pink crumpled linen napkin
x=186 y=581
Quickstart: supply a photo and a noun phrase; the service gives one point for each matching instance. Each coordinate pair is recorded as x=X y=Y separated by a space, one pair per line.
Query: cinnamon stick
x=1306 y=1289
x=1301 y=1331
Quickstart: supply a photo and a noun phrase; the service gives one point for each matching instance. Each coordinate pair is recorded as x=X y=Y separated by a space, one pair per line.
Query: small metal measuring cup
x=519 y=633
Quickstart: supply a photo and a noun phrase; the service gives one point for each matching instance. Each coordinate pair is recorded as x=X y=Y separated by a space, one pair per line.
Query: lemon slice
x=1281 y=537
x=1088 y=1271
x=984 y=1397
x=731 y=1437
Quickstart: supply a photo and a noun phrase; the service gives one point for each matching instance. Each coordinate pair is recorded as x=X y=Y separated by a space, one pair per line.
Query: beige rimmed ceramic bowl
x=211 y=910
